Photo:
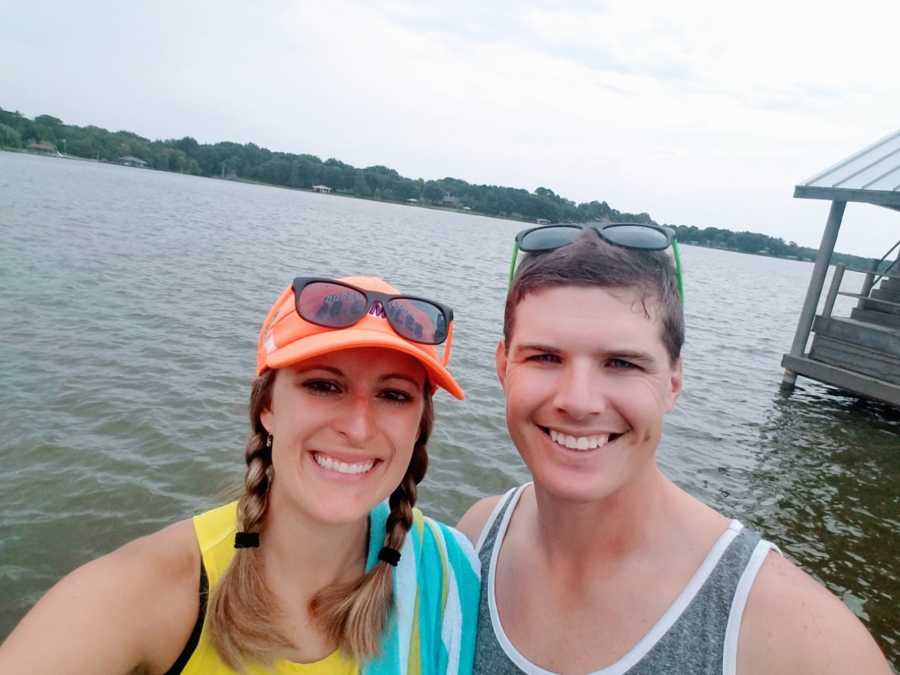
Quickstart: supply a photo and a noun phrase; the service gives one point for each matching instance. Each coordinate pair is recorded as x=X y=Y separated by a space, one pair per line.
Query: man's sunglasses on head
x=641 y=236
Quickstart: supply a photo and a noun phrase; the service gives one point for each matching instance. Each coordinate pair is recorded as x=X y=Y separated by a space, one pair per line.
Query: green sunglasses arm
x=677 y=256
x=512 y=265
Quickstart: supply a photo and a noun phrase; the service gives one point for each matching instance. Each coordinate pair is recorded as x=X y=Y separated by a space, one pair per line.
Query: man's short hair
x=590 y=261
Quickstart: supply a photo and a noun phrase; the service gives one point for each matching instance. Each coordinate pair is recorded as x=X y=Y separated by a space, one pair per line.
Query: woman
x=309 y=571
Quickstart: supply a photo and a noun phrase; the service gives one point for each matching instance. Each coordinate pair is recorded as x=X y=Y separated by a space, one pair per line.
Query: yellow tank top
x=215 y=534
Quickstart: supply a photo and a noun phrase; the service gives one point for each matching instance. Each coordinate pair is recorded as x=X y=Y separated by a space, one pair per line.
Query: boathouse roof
x=871 y=175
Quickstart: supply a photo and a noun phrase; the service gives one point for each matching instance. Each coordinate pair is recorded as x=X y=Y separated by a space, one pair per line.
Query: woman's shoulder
x=132 y=607
x=160 y=576
x=170 y=550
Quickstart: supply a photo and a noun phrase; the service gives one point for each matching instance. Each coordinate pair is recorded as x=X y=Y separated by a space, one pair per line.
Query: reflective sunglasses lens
x=417 y=320
x=636 y=236
x=331 y=305
x=548 y=238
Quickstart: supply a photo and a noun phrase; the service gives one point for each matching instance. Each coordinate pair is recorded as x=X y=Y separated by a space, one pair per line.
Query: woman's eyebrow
x=327 y=369
x=339 y=373
x=400 y=376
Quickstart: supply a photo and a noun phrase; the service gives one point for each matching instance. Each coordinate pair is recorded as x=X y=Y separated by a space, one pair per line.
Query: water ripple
x=130 y=302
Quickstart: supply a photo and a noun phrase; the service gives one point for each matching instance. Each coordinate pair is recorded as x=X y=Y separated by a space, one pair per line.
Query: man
x=604 y=564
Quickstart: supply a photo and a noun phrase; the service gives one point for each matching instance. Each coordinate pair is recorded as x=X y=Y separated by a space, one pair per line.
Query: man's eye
x=544 y=358
x=621 y=364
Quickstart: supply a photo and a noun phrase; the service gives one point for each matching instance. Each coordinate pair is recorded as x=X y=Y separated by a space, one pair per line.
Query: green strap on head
x=512 y=265
x=680 y=281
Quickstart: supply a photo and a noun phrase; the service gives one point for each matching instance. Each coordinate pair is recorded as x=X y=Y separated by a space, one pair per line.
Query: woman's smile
x=332 y=464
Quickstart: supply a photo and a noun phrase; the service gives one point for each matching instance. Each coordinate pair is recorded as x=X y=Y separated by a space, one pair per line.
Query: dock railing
x=871 y=279
x=875 y=276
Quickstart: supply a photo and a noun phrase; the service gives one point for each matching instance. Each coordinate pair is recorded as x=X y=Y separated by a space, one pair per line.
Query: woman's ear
x=266 y=418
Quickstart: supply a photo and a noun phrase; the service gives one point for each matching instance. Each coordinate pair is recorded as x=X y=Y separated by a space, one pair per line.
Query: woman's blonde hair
x=242 y=612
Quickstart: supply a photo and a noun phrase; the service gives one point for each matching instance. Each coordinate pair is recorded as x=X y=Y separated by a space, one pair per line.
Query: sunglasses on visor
x=639 y=236
x=336 y=304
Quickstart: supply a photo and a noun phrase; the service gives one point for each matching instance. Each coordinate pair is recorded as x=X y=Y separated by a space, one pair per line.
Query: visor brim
x=357 y=337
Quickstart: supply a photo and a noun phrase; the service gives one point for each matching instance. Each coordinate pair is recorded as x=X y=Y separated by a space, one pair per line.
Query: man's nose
x=580 y=393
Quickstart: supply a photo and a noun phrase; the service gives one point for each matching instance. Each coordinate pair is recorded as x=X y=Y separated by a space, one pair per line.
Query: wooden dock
x=859 y=353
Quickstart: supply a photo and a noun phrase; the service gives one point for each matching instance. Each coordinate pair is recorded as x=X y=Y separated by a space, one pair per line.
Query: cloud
x=723 y=65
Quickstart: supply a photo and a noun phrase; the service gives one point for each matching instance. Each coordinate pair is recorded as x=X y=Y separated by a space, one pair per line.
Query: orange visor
x=286 y=338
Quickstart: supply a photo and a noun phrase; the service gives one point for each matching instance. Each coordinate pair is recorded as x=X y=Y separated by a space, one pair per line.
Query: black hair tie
x=389 y=555
x=246 y=539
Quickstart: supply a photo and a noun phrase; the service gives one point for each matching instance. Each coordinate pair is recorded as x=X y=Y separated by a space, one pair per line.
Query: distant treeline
x=46 y=133
x=753 y=242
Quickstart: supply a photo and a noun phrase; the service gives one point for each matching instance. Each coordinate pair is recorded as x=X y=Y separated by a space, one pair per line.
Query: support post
x=868 y=282
x=826 y=249
x=833 y=290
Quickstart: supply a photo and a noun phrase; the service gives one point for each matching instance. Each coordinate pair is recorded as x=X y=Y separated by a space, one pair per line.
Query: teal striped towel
x=437 y=583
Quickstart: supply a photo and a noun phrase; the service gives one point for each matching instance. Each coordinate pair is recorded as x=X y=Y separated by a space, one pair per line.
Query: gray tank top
x=698 y=634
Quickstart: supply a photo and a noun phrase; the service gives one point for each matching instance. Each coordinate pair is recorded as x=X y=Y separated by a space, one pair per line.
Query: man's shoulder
x=473 y=521
x=793 y=624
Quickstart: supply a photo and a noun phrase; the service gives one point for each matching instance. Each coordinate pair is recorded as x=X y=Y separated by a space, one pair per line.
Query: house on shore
x=321 y=188
x=130 y=160
x=43 y=147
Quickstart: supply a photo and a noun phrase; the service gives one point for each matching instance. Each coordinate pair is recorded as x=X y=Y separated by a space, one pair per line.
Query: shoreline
x=421 y=205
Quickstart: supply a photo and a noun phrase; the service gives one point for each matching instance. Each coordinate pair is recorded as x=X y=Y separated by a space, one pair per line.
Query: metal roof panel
x=875 y=170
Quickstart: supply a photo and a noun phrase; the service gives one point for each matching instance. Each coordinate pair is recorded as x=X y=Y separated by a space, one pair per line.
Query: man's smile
x=580 y=442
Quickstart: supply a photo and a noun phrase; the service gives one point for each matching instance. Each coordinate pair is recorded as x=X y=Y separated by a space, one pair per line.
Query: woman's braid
x=242 y=616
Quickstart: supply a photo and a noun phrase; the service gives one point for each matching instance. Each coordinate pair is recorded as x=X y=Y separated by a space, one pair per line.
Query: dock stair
x=859 y=353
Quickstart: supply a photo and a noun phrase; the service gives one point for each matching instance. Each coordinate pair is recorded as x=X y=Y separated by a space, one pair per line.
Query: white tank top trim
x=490 y=521
x=739 y=603
x=646 y=643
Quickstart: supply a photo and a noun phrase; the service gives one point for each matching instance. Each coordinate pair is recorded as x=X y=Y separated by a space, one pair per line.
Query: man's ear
x=500 y=360
x=676 y=383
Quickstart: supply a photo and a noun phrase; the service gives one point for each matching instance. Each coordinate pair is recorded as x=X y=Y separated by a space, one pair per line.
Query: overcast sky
x=700 y=113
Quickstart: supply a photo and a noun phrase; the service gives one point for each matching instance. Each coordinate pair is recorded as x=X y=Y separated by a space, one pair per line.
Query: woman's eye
x=322 y=387
x=396 y=395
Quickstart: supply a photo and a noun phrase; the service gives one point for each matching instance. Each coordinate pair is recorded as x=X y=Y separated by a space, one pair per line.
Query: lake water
x=130 y=302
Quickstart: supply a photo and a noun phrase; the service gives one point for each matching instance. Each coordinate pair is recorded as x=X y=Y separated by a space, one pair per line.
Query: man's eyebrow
x=627 y=354
x=536 y=347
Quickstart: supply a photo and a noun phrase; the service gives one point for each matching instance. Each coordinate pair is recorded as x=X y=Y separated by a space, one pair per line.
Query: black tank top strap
x=191 y=644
